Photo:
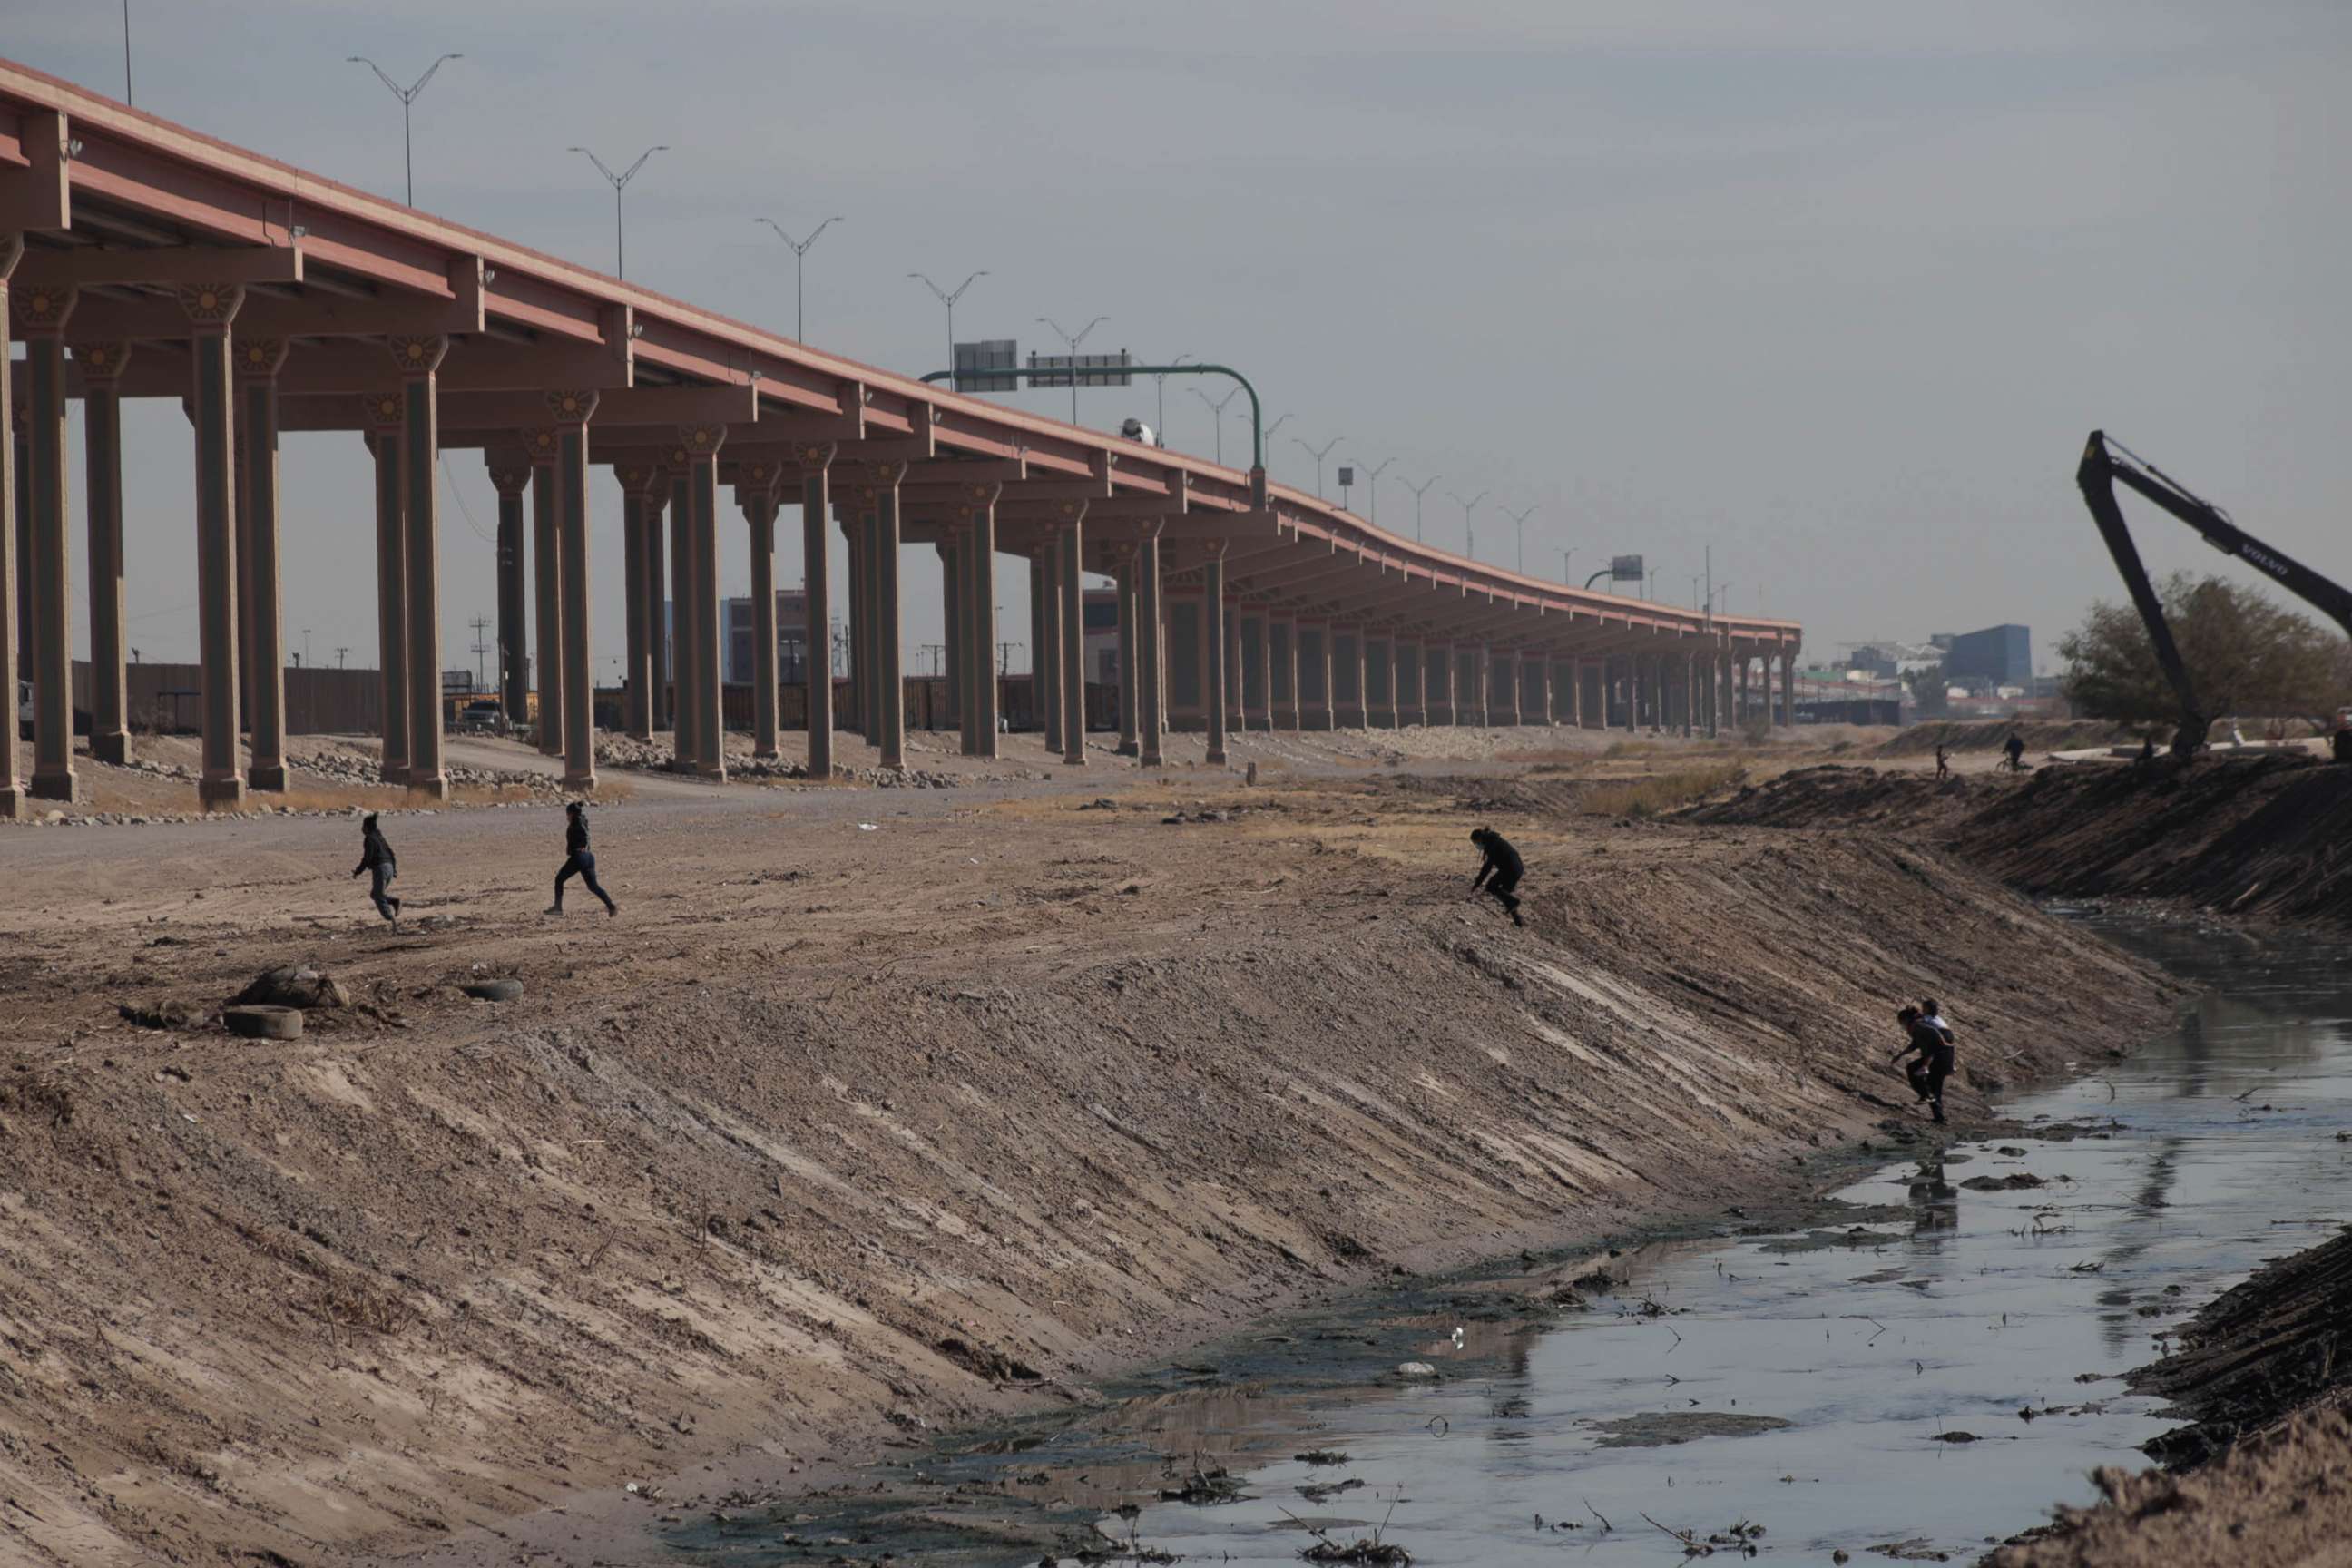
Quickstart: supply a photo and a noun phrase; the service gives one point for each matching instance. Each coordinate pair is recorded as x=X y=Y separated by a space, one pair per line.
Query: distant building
x=1101 y=620
x=1995 y=657
x=735 y=656
x=791 y=638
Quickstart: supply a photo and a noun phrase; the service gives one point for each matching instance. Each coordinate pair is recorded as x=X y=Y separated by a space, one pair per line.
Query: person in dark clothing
x=2015 y=747
x=578 y=861
x=2147 y=750
x=1928 y=1035
x=1943 y=764
x=375 y=856
x=1501 y=872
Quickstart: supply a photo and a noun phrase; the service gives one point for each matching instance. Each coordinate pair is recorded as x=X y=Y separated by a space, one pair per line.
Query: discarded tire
x=493 y=990
x=262 y=1023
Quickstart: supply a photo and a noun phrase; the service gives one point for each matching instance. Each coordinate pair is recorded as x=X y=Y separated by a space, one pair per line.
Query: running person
x=375 y=856
x=1501 y=872
x=578 y=861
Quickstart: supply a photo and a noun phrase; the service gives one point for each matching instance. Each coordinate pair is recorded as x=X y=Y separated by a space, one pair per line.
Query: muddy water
x=1926 y=1367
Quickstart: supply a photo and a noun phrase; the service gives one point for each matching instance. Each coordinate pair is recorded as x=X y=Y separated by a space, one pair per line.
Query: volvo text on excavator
x=2106 y=462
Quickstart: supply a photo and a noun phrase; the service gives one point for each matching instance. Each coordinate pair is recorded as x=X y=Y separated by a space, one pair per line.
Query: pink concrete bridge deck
x=139 y=258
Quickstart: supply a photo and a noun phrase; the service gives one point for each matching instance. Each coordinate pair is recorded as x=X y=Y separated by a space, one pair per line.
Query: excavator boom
x=2104 y=463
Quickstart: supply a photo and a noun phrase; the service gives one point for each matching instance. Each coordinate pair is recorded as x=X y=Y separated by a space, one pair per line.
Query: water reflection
x=1935 y=1308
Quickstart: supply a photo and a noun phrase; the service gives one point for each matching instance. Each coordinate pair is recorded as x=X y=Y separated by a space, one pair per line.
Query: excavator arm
x=2104 y=463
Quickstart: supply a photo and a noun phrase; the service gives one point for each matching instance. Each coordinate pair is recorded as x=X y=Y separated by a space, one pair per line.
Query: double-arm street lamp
x=1321 y=453
x=1418 y=490
x=620 y=183
x=800 y=249
x=948 y=300
x=1372 y=486
x=1217 y=406
x=1519 y=523
x=1074 y=341
x=407 y=95
x=1469 y=531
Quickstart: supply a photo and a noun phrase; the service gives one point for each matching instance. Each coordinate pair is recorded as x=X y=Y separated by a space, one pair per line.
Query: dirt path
x=874 y=1107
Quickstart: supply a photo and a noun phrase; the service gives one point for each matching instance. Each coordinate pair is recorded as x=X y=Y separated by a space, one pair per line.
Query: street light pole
x=1074 y=342
x=620 y=183
x=1566 y=556
x=800 y=249
x=1469 y=509
x=950 y=302
x=407 y=95
x=1162 y=389
x=1519 y=522
x=1418 y=490
x=1217 y=406
x=1321 y=453
x=1372 y=486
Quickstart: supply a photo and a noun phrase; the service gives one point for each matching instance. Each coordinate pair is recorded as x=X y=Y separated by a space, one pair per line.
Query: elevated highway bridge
x=140 y=258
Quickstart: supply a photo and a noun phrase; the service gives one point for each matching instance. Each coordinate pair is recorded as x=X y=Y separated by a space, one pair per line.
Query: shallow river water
x=1860 y=1384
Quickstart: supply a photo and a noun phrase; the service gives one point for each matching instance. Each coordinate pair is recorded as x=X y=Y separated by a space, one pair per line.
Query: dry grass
x=1661 y=792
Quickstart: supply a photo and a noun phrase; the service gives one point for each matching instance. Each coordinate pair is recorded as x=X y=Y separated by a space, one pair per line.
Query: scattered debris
x=297 y=986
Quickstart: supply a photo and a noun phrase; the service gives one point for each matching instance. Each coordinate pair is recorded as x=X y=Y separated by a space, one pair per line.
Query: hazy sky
x=1836 y=289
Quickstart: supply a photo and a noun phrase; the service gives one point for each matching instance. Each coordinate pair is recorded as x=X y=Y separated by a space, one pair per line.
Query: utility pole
x=1469 y=512
x=481 y=626
x=1005 y=657
x=935 y=649
x=342 y=654
x=1567 y=575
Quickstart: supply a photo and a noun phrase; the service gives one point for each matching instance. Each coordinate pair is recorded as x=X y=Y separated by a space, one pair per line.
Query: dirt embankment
x=837 y=1131
x=2266 y=835
x=2040 y=735
x=2263 y=1377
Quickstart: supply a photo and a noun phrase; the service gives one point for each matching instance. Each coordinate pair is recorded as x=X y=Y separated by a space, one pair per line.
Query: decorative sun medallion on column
x=571 y=407
x=418 y=356
x=381 y=410
x=41 y=309
x=261 y=357
x=541 y=445
x=101 y=362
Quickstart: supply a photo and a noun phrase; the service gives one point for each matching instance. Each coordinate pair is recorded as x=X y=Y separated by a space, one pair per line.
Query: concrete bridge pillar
x=982 y=695
x=547 y=591
x=636 y=704
x=41 y=312
x=653 y=605
x=698 y=454
x=1216 y=690
x=956 y=711
x=391 y=588
x=418 y=360
x=1070 y=630
x=12 y=473
x=1151 y=623
x=856 y=531
x=683 y=751
x=262 y=633
x=101 y=370
x=1129 y=644
x=210 y=308
x=759 y=514
x=1314 y=655
x=571 y=411
x=816 y=542
x=510 y=477
x=1044 y=657
x=1350 y=708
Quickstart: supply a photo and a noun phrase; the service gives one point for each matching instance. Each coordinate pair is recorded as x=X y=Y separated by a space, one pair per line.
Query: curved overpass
x=143 y=259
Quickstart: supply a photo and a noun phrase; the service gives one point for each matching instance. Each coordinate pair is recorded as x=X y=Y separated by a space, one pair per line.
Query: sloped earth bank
x=856 y=1123
x=2265 y=836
